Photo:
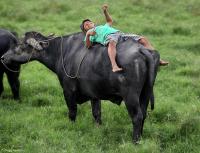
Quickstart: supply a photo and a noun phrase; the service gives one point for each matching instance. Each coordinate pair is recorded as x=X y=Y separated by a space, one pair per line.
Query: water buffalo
x=86 y=74
x=8 y=41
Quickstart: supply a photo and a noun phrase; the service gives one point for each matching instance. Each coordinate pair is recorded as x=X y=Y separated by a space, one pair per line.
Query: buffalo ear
x=44 y=44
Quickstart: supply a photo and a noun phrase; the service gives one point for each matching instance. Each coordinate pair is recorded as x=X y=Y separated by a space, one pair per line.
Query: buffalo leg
x=144 y=101
x=72 y=106
x=1 y=83
x=96 y=110
x=13 y=79
x=135 y=112
x=144 y=112
x=145 y=97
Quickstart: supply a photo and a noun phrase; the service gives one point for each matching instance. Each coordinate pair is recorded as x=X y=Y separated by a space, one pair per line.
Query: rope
x=62 y=57
x=17 y=70
x=97 y=19
x=8 y=67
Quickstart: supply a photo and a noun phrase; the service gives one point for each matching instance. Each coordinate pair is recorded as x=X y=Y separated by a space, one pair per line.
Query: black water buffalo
x=8 y=41
x=86 y=74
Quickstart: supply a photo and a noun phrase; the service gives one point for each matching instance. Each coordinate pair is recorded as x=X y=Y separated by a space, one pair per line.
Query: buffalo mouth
x=6 y=60
x=3 y=60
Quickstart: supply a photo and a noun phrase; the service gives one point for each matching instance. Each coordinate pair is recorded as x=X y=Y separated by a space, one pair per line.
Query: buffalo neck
x=52 y=56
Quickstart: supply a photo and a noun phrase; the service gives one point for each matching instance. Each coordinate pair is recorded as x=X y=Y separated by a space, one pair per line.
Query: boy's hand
x=105 y=7
x=90 y=32
x=107 y=15
x=88 y=45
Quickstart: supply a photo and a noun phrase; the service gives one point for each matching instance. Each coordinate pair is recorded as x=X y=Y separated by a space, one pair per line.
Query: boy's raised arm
x=107 y=15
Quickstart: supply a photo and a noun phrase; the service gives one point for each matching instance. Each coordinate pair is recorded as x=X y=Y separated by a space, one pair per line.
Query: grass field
x=39 y=123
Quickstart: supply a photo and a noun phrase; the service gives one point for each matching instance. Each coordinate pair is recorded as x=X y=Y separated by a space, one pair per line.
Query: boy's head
x=86 y=25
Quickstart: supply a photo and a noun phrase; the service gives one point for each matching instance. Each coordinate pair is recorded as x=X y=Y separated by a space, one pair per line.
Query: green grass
x=39 y=123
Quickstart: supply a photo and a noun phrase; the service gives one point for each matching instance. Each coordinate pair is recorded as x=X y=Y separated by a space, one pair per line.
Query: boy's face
x=88 y=25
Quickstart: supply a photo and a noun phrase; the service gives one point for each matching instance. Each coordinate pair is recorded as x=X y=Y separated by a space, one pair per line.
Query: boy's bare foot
x=163 y=63
x=116 y=69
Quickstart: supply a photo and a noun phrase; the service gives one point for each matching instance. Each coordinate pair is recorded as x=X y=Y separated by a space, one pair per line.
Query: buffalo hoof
x=136 y=139
x=136 y=142
x=98 y=122
x=17 y=98
x=72 y=118
x=1 y=93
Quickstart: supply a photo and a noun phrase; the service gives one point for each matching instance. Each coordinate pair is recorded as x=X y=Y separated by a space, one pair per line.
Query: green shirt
x=102 y=31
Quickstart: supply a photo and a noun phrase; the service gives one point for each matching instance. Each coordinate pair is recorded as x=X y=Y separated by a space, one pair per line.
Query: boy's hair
x=82 y=24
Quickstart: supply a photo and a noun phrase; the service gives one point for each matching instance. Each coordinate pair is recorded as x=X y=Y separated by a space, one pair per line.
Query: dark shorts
x=115 y=37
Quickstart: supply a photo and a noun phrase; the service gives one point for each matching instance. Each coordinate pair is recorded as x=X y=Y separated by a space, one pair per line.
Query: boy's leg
x=146 y=43
x=163 y=63
x=112 y=56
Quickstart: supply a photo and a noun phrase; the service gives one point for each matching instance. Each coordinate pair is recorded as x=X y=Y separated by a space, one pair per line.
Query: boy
x=107 y=35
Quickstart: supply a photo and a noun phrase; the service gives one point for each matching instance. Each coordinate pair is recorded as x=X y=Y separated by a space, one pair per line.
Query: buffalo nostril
x=2 y=58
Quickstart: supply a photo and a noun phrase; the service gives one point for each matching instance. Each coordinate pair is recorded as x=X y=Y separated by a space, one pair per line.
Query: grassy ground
x=39 y=122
